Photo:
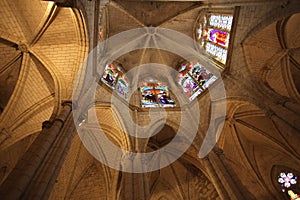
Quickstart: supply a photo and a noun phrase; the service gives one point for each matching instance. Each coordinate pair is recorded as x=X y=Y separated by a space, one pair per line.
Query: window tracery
x=288 y=180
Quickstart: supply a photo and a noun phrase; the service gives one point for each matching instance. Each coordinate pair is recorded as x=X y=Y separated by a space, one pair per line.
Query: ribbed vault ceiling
x=40 y=47
x=123 y=15
x=274 y=54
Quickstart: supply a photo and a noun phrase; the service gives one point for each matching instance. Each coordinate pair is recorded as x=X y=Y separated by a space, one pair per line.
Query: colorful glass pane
x=287 y=179
x=110 y=75
x=217 y=36
x=189 y=86
x=202 y=75
x=148 y=95
x=163 y=96
x=122 y=86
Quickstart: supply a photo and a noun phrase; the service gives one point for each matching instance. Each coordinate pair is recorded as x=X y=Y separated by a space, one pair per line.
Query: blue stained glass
x=163 y=96
x=195 y=79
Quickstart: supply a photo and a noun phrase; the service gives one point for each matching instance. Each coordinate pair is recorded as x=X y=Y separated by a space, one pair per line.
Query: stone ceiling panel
x=8 y=81
x=154 y=13
x=119 y=20
x=7 y=53
x=28 y=14
x=34 y=89
x=61 y=31
x=8 y=20
x=292 y=33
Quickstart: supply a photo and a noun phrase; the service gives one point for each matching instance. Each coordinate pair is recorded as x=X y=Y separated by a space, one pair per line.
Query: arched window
x=115 y=78
x=155 y=94
x=213 y=33
x=194 y=79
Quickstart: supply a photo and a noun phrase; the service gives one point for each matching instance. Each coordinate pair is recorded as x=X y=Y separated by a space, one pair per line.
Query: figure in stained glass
x=194 y=78
x=148 y=96
x=122 y=86
x=156 y=94
x=110 y=75
x=163 y=96
x=189 y=86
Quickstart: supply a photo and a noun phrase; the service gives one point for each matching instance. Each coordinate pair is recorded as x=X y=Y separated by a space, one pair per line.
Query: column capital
x=283 y=100
x=68 y=103
x=269 y=113
x=46 y=124
x=205 y=159
x=218 y=151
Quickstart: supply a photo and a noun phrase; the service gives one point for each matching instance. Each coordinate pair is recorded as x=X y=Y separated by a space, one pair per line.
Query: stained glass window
x=194 y=79
x=148 y=95
x=122 y=86
x=213 y=33
x=155 y=95
x=110 y=76
x=288 y=180
x=163 y=95
x=115 y=78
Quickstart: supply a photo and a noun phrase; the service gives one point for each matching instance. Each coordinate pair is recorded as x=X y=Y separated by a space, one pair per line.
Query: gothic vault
x=44 y=45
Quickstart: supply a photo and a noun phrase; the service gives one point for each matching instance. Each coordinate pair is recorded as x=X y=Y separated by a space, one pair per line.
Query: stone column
x=233 y=191
x=36 y=172
x=135 y=185
x=215 y=179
